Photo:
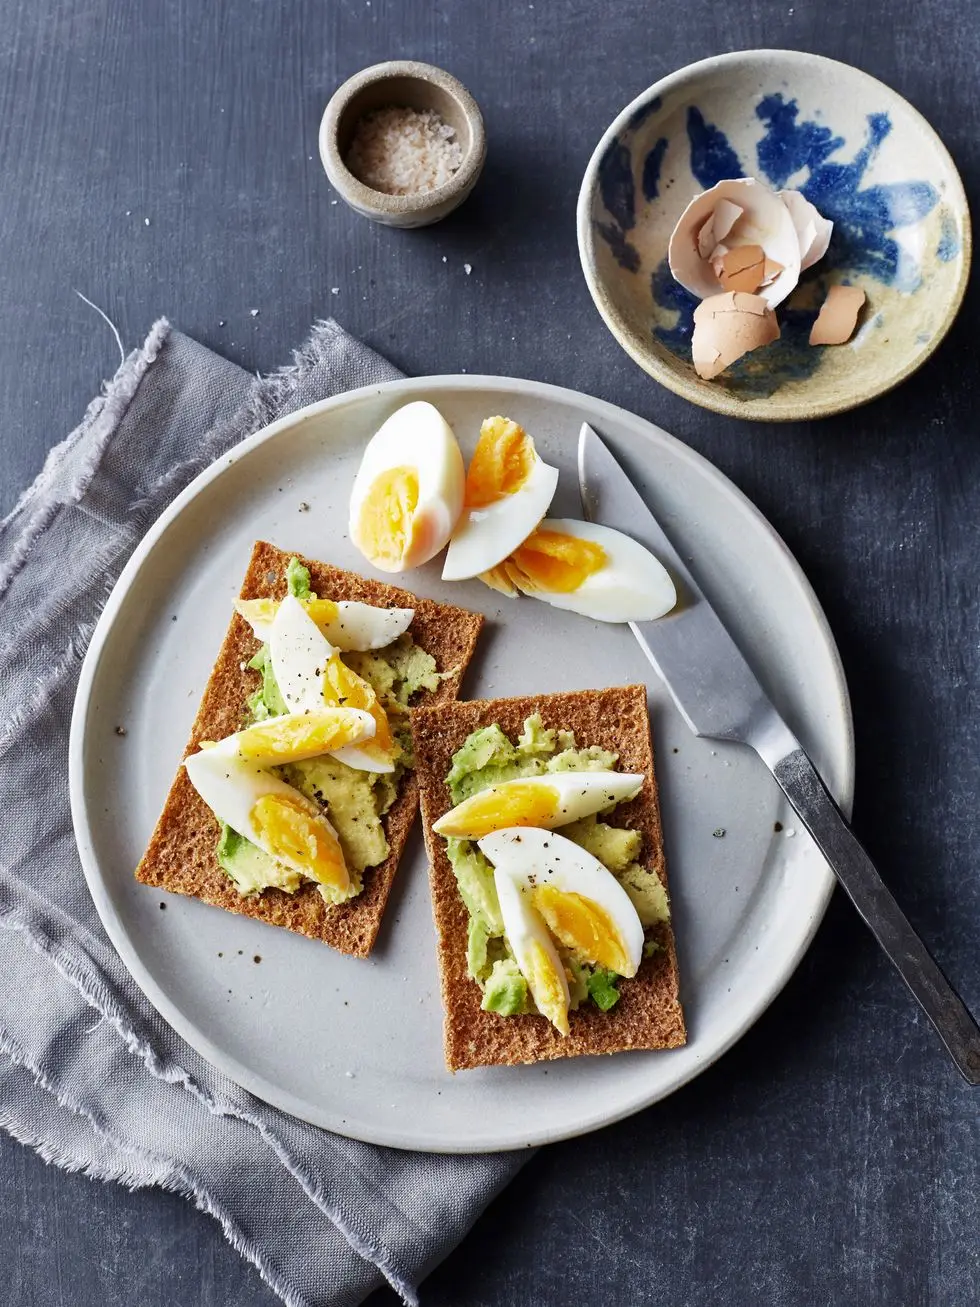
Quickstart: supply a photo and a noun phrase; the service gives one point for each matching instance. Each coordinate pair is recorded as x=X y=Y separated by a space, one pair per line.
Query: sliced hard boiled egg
x=533 y=948
x=582 y=902
x=311 y=675
x=542 y=801
x=408 y=491
x=588 y=569
x=273 y=815
x=347 y=624
x=508 y=490
x=298 y=736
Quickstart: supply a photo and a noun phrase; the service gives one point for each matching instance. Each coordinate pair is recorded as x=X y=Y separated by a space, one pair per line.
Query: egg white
x=484 y=536
x=231 y=746
x=633 y=586
x=526 y=932
x=356 y=626
x=578 y=794
x=231 y=788
x=526 y=856
x=300 y=653
x=417 y=436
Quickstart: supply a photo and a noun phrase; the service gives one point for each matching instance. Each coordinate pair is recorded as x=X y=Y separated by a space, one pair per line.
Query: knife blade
x=721 y=698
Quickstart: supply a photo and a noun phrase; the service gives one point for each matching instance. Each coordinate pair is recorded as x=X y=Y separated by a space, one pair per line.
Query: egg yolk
x=387 y=515
x=497 y=579
x=502 y=461
x=345 y=689
x=545 y=985
x=584 y=927
x=514 y=803
x=290 y=832
x=298 y=736
x=557 y=563
x=262 y=612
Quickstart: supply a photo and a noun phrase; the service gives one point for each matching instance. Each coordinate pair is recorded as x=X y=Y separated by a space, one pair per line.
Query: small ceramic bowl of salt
x=403 y=143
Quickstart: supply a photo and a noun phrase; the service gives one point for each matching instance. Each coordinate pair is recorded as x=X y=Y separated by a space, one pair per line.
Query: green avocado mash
x=487 y=758
x=355 y=801
x=505 y=991
x=249 y=867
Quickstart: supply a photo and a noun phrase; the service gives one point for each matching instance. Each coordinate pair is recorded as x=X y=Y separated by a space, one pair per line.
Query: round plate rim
x=126 y=948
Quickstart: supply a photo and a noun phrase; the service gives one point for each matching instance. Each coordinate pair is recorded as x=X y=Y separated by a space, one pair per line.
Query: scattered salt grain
x=401 y=151
x=254 y=312
x=334 y=290
x=146 y=222
x=467 y=268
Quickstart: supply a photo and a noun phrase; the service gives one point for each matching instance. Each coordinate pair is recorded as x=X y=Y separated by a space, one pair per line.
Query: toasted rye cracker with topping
x=183 y=853
x=639 y=1012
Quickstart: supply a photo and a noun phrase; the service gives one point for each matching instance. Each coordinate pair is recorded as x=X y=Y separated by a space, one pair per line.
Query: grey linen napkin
x=90 y=1075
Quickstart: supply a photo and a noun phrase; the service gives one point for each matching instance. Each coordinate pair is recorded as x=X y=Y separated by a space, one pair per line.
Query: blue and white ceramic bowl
x=864 y=157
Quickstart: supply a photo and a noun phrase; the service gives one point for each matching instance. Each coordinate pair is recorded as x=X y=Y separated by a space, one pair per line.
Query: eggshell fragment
x=719 y=224
x=812 y=229
x=743 y=268
x=838 y=316
x=708 y=222
x=728 y=326
x=770 y=271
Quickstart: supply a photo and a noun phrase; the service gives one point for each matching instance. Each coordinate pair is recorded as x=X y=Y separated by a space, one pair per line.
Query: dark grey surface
x=833 y=1157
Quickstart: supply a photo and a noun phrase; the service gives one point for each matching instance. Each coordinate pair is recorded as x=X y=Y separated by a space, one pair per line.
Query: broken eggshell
x=745 y=268
x=728 y=326
x=723 y=218
x=764 y=220
x=838 y=316
x=813 y=230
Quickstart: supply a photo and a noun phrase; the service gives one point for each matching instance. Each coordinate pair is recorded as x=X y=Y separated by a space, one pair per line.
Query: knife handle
x=891 y=928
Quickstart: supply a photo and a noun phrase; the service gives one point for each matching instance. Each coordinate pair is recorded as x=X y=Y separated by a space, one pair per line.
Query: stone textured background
x=161 y=158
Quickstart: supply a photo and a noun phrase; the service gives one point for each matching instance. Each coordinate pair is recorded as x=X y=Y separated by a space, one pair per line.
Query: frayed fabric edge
x=173 y=1179
x=272 y=391
x=102 y=416
x=269 y=394
x=174 y=1074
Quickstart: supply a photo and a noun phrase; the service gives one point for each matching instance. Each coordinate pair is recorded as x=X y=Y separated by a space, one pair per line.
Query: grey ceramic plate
x=356 y=1045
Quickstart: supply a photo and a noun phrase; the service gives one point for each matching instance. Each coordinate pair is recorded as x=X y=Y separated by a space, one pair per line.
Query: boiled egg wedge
x=507 y=493
x=534 y=950
x=311 y=675
x=347 y=625
x=273 y=815
x=551 y=889
x=298 y=736
x=588 y=569
x=408 y=492
x=543 y=801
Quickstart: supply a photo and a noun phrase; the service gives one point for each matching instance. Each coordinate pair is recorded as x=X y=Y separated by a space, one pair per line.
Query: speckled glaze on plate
x=356 y=1044
x=861 y=153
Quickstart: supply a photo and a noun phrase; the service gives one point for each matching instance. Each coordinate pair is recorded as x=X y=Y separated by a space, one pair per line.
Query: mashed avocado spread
x=486 y=758
x=355 y=801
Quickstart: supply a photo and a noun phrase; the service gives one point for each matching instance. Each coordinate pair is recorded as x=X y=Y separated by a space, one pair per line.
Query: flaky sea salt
x=404 y=151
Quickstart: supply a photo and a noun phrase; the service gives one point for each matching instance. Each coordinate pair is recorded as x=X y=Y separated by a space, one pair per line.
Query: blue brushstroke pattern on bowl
x=855 y=149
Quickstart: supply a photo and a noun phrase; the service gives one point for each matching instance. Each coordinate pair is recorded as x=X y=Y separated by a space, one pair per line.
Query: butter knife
x=720 y=698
